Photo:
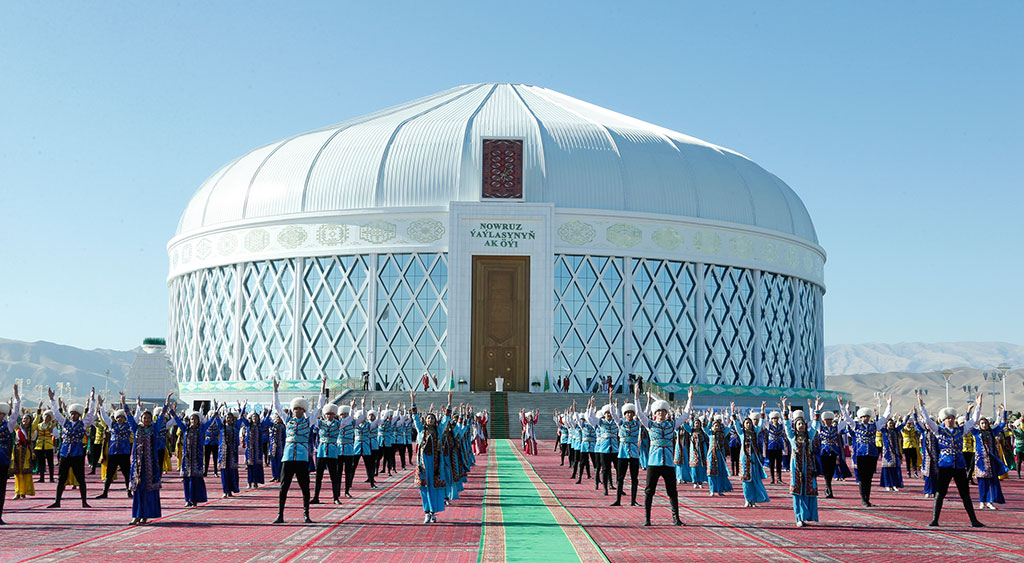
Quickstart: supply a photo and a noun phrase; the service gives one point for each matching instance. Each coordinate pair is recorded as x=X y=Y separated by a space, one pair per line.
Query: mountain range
x=859 y=369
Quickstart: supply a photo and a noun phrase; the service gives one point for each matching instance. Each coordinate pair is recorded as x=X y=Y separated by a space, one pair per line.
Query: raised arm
x=57 y=416
x=927 y=417
x=277 y=404
x=887 y=413
x=971 y=422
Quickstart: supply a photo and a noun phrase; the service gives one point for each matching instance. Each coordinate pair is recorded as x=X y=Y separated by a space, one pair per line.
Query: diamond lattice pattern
x=411 y=319
x=588 y=319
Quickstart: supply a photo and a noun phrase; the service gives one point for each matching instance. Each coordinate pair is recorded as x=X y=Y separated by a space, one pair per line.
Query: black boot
x=647 y=510
x=307 y=520
x=969 y=506
x=618 y=499
x=936 y=510
x=675 y=518
x=280 y=518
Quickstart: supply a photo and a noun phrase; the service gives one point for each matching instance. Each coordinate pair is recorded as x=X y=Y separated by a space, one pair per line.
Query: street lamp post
x=993 y=376
x=1004 y=371
x=946 y=374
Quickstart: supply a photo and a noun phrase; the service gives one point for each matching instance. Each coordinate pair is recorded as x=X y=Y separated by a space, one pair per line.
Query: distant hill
x=919 y=357
x=46 y=364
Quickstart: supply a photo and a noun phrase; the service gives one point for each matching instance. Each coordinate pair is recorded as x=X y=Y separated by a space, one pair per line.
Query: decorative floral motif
x=292 y=236
x=377 y=232
x=186 y=254
x=707 y=242
x=204 y=249
x=624 y=235
x=741 y=247
x=769 y=252
x=332 y=234
x=227 y=244
x=667 y=238
x=257 y=240
x=576 y=232
x=425 y=230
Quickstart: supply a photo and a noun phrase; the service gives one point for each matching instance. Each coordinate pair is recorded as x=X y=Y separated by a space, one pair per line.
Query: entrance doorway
x=501 y=322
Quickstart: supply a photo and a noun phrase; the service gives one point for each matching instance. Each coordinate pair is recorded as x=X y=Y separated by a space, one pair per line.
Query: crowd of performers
x=298 y=443
x=704 y=448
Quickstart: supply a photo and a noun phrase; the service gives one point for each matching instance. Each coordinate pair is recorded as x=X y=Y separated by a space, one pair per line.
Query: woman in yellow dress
x=22 y=459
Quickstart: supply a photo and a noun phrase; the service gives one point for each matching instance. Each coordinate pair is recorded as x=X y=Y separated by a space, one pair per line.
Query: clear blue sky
x=900 y=126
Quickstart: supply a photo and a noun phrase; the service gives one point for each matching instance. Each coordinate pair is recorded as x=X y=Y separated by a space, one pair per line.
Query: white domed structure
x=495 y=230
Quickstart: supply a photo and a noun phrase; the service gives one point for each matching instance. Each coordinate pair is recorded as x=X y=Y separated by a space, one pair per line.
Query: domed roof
x=428 y=153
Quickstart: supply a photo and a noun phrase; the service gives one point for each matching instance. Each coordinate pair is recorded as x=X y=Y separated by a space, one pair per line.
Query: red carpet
x=386 y=525
x=720 y=529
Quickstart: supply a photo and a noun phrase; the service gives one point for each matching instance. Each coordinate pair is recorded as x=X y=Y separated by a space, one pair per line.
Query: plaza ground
x=514 y=509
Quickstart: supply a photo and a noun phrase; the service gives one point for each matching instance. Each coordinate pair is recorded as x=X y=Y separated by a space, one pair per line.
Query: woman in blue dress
x=751 y=469
x=718 y=467
x=803 y=483
x=682 y=456
x=430 y=460
x=698 y=452
x=191 y=468
x=891 y=476
x=145 y=475
x=988 y=465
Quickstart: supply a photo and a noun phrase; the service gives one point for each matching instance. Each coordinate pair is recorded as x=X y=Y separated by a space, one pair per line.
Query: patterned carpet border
x=492 y=540
x=585 y=546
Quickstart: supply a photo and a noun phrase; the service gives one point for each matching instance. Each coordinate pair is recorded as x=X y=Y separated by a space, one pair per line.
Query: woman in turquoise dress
x=751 y=467
x=803 y=483
x=698 y=452
x=718 y=467
x=430 y=462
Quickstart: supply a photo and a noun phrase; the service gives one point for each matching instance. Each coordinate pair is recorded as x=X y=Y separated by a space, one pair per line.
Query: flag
x=547 y=382
x=451 y=381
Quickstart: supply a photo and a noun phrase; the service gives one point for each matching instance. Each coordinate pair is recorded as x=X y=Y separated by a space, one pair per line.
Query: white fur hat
x=300 y=403
x=5 y=408
x=828 y=415
x=793 y=415
x=661 y=406
x=946 y=413
x=77 y=407
x=775 y=414
x=755 y=416
x=371 y=412
x=192 y=413
x=628 y=407
x=960 y=419
x=582 y=416
x=386 y=413
x=480 y=414
x=606 y=409
x=158 y=411
x=331 y=409
x=717 y=417
x=345 y=409
x=118 y=413
x=47 y=412
x=864 y=411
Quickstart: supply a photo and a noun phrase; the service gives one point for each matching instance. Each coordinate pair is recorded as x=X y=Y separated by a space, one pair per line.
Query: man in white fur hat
x=628 y=455
x=296 y=447
x=865 y=450
x=775 y=445
x=951 y=462
x=661 y=459
x=347 y=458
x=72 y=453
x=829 y=432
x=119 y=453
x=604 y=425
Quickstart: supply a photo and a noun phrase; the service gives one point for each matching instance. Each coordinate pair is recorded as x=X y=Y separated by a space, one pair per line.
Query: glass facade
x=668 y=321
x=678 y=322
x=305 y=318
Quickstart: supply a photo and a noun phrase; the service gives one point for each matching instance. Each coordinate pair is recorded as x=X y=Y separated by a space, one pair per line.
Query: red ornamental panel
x=503 y=168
